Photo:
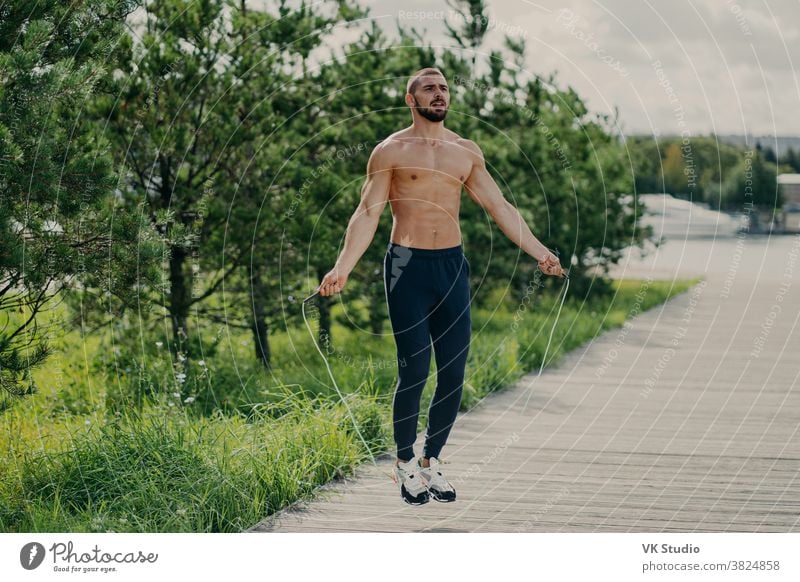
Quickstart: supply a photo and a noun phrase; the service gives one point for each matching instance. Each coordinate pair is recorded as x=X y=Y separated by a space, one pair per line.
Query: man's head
x=428 y=94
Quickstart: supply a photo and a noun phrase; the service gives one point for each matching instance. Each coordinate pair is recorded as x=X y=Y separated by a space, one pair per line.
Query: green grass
x=167 y=472
x=252 y=442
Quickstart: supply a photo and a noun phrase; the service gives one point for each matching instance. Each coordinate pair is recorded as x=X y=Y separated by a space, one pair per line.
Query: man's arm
x=482 y=188
x=364 y=221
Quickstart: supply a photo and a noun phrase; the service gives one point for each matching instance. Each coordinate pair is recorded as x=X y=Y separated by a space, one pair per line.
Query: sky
x=687 y=67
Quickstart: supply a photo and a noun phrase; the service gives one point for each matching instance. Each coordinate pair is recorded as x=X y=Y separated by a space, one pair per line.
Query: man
x=421 y=170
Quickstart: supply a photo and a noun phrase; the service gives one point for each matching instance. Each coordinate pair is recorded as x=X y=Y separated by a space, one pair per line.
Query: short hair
x=413 y=81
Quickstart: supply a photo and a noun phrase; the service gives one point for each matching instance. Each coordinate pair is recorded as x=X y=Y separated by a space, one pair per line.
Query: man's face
x=432 y=97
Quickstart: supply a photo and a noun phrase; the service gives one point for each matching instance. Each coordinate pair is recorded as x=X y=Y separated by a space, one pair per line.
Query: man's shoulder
x=384 y=153
x=388 y=148
x=468 y=145
x=394 y=141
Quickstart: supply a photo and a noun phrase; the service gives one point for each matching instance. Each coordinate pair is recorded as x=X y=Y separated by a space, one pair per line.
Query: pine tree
x=204 y=121
x=56 y=176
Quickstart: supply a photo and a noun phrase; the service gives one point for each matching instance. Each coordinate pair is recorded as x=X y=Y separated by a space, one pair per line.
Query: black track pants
x=427 y=292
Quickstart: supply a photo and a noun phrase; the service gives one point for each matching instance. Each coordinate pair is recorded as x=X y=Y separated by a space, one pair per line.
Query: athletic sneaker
x=412 y=486
x=439 y=488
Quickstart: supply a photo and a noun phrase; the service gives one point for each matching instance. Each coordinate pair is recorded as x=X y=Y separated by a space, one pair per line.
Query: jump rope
x=347 y=406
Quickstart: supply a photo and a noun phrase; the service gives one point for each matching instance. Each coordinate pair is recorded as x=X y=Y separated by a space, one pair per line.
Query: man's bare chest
x=447 y=163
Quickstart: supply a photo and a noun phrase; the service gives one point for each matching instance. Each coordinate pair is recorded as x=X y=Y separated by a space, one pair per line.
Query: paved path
x=687 y=420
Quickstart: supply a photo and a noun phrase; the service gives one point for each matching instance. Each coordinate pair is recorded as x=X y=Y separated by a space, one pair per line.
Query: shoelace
x=415 y=472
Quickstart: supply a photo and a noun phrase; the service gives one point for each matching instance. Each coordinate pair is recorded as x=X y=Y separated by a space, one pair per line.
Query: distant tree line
x=705 y=169
x=790 y=160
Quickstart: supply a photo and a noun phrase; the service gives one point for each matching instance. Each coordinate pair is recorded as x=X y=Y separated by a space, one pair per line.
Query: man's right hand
x=550 y=265
x=333 y=282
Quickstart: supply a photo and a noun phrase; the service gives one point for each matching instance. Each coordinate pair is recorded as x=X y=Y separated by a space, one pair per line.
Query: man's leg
x=409 y=306
x=451 y=327
x=408 y=391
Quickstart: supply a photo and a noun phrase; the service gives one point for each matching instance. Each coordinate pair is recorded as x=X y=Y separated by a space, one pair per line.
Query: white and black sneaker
x=438 y=486
x=412 y=485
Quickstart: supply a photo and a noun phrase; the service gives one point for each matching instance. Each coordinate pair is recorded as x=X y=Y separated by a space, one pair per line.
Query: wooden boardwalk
x=685 y=421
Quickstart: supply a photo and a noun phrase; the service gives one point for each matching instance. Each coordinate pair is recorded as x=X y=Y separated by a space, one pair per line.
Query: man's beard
x=429 y=114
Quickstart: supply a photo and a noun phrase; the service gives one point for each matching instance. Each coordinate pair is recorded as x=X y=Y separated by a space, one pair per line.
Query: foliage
x=60 y=227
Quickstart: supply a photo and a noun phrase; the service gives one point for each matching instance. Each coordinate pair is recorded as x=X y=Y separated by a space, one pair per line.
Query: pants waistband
x=396 y=250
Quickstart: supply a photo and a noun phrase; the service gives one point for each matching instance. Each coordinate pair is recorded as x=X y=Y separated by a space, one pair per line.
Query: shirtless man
x=421 y=170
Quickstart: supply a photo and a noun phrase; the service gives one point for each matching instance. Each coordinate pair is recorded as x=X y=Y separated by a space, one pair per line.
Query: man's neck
x=428 y=130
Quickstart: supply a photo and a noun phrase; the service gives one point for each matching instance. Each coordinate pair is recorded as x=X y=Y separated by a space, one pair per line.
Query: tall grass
x=167 y=472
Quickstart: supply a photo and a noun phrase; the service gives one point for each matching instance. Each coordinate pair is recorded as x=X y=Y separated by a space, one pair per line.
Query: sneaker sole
x=436 y=497
x=415 y=503
x=439 y=499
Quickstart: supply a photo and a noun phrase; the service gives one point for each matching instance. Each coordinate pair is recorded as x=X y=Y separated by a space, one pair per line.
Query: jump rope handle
x=556 y=253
